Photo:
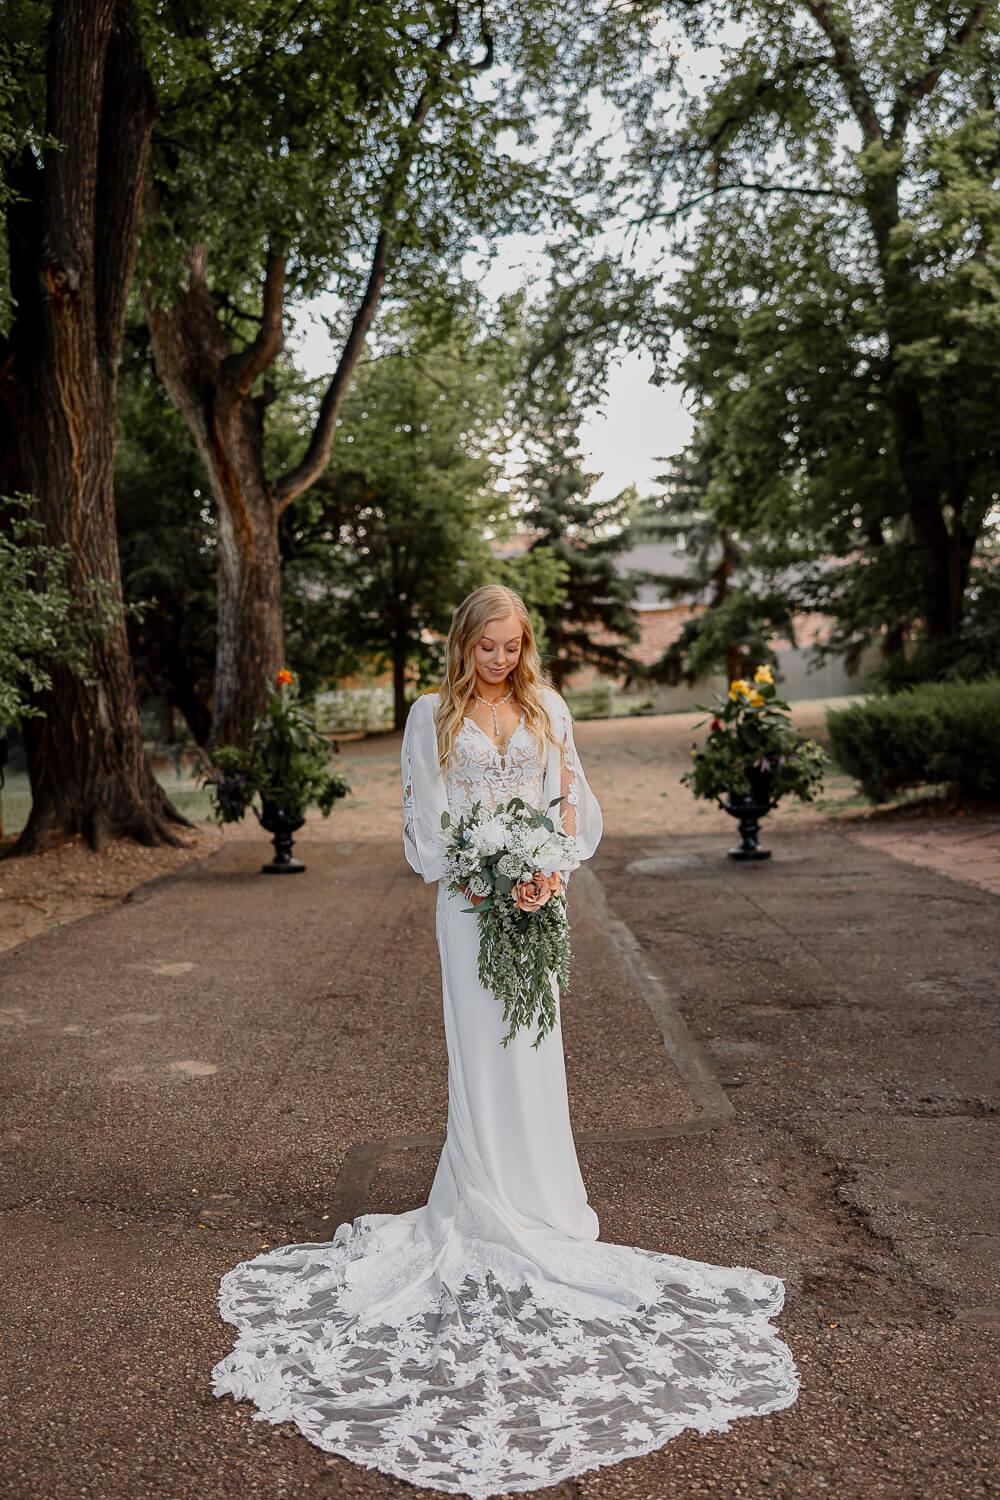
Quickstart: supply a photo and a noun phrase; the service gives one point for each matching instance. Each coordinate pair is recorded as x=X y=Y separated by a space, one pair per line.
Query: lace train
x=488 y=1376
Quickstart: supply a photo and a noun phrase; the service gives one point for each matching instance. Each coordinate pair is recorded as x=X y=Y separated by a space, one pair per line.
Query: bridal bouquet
x=507 y=856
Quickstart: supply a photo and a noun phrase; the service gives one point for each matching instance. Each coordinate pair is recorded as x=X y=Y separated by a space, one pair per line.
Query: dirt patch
x=47 y=890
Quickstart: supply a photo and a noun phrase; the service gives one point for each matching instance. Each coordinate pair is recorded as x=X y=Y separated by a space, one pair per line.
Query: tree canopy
x=831 y=193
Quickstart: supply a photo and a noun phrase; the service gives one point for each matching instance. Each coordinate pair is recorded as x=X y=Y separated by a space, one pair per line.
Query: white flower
x=552 y=850
x=517 y=844
x=536 y=838
x=490 y=837
x=569 y=849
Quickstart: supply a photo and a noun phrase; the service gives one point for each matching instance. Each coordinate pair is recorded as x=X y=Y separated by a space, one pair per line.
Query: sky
x=622 y=439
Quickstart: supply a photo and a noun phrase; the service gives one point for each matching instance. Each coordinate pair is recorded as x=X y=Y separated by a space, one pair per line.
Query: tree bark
x=72 y=248
x=210 y=388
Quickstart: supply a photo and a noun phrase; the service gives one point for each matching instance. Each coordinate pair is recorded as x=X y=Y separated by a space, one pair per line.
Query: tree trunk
x=194 y=362
x=925 y=470
x=72 y=249
x=398 y=682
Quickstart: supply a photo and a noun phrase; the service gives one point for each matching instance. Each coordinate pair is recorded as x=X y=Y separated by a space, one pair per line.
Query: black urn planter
x=749 y=808
x=281 y=826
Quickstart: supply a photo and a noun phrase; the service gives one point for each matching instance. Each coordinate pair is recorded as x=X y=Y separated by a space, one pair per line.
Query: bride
x=487 y=1342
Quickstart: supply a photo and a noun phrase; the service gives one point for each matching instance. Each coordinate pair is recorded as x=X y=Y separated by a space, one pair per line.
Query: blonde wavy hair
x=491 y=602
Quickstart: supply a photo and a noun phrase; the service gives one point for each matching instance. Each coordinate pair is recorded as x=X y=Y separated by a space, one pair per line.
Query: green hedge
x=938 y=731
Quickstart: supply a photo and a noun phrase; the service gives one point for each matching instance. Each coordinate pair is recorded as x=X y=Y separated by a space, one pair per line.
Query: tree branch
x=762 y=188
x=239 y=371
x=847 y=68
x=916 y=88
x=318 y=452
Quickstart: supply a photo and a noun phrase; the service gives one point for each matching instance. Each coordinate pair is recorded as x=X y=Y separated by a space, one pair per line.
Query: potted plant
x=753 y=757
x=286 y=764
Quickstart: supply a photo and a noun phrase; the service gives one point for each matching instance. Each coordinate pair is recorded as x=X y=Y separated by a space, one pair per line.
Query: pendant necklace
x=499 y=702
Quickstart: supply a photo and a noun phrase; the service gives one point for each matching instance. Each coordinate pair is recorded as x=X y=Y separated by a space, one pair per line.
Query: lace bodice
x=481 y=771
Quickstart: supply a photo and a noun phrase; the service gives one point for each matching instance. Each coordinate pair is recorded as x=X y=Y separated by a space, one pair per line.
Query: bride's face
x=496 y=652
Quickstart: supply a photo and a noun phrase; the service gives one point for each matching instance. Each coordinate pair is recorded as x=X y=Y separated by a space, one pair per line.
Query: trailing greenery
x=751 y=732
x=934 y=732
x=519 y=957
x=287 y=763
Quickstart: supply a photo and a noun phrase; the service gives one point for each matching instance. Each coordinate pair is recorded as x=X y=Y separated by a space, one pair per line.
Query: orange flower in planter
x=284 y=676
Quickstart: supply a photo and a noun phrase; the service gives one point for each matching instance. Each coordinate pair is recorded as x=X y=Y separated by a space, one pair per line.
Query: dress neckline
x=486 y=737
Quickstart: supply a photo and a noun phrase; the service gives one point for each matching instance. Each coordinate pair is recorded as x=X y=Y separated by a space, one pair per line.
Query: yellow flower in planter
x=754 y=698
x=764 y=674
x=739 y=689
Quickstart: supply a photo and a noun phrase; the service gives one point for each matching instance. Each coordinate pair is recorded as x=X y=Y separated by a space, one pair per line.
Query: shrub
x=345 y=709
x=937 y=731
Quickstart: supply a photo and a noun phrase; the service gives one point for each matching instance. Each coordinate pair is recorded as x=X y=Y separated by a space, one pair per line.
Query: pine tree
x=588 y=536
x=736 y=620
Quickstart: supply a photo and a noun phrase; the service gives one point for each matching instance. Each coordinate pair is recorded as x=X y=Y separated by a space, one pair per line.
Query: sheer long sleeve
x=424 y=794
x=579 y=810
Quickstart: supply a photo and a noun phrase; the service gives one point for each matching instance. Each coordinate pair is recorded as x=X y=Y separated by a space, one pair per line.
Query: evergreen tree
x=737 y=613
x=587 y=536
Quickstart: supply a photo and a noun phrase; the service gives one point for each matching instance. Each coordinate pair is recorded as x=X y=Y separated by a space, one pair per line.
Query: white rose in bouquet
x=490 y=837
x=552 y=851
x=564 y=851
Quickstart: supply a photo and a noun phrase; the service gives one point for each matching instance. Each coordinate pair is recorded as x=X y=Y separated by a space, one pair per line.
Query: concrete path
x=787 y=1066
x=968 y=850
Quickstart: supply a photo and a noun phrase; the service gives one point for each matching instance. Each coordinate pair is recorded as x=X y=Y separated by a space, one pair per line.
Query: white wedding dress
x=487 y=1343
